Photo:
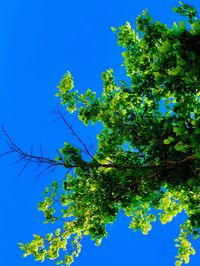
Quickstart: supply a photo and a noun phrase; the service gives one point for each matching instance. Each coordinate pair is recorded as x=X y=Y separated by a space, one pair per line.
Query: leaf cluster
x=148 y=156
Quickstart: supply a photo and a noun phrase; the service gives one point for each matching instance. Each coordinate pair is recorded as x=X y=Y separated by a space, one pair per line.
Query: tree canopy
x=147 y=163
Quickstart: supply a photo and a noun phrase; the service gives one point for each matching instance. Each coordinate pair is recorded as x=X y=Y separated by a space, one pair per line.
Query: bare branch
x=28 y=158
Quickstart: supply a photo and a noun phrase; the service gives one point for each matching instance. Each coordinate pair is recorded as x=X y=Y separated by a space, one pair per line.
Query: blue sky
x=39 y=42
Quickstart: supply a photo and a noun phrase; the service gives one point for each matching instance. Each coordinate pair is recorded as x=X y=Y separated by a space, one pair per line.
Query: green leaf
x=167 y=141
x=59 y=262
x=113 y=29
x=179 y=146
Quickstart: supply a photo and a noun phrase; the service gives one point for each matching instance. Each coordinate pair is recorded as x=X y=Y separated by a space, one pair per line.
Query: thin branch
x=23 y=168
x=30 y=157
x=92 y=145
x=62 y=117
x=47 y=170
x=13 y=148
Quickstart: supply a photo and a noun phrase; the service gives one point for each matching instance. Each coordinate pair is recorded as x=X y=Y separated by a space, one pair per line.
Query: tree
x=148 y=155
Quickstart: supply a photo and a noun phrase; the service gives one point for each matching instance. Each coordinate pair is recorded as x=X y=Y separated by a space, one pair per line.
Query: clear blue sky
x=39 y=41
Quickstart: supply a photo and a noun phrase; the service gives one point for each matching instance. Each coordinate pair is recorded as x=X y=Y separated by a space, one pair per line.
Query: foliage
x=148 y=155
